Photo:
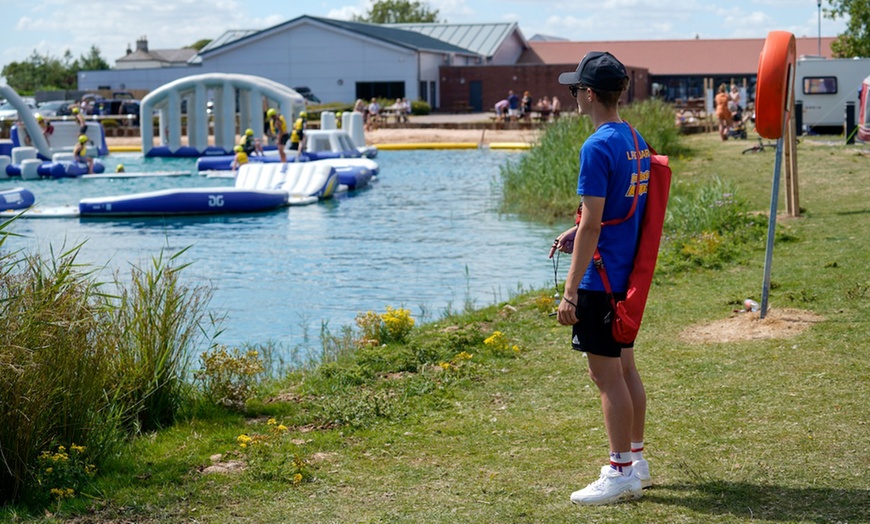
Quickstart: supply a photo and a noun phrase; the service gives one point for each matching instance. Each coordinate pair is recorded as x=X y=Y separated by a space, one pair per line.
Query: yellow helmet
x=249 y=132
x=119 y=168
x=83 y=138
x=39 y=117
x=238 y=149
x=303 y=114
x=338 y=114
x=271 y=112
x=75 y=110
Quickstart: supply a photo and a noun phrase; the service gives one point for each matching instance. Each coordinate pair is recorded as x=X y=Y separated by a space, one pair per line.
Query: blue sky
x=53 y=26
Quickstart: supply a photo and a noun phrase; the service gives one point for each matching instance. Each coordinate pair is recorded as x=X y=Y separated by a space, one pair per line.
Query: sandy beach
x=419 y=135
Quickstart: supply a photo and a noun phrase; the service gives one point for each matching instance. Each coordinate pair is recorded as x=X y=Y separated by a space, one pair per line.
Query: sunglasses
x=574 y=89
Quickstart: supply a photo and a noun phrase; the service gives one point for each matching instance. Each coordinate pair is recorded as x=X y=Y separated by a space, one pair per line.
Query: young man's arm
x=585 y=243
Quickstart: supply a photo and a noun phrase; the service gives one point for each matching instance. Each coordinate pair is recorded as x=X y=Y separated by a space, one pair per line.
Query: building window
x=390 y=90
x=424 y=93
x=824 y=85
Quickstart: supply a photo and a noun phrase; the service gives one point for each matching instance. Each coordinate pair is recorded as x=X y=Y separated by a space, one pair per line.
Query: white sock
x=621 y=461
x=636 y=451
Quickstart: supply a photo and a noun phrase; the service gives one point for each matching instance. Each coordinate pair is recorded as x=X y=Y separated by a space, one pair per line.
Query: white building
x=338 y=60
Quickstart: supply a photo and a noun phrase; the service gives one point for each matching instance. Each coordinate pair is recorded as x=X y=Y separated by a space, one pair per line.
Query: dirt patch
x=778 y=323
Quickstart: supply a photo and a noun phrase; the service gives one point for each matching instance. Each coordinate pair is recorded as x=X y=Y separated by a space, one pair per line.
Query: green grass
x=753 y=431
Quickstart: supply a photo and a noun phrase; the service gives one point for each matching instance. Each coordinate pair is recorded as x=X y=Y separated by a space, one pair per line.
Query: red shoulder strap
x=596 y=257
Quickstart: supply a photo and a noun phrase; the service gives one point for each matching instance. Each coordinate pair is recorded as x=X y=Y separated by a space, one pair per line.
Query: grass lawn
x=750 y=429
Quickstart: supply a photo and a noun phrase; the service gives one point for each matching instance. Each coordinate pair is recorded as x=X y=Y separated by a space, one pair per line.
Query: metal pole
x=771 y=223
x=819 y=2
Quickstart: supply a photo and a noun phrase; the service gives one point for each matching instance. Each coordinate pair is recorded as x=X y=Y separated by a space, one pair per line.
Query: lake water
x=426 y=237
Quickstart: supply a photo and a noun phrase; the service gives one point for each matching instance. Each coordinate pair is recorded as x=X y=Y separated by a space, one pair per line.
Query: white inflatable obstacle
x=64 y=138
x=30 y=124
x=248 y=95
x=303 y=181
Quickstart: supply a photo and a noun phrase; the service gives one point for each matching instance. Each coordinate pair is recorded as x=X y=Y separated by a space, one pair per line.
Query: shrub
x=392 y=326
x=707 y=226
x=420 y=107
x=61 y=474
x=229 y=378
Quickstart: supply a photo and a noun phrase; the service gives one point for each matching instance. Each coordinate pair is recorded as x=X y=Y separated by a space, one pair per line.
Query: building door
x=433 y=100
x=475 y=95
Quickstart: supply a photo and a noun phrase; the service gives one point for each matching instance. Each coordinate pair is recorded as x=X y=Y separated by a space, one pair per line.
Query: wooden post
x=792 y=194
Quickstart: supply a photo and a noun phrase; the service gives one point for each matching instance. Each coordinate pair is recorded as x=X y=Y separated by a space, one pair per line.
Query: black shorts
x=593 y=331
x=294 y=146
x=83 y=129
x=284 y=139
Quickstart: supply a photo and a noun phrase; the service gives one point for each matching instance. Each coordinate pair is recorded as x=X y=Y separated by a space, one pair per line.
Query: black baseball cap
x=598 y=70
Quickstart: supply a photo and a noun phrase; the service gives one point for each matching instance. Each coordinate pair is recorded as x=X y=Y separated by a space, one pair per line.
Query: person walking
x=723 y=114
x=614 y=167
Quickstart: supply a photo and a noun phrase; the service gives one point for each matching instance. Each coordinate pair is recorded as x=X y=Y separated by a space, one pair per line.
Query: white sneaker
x=641 y=471
x=610 y=487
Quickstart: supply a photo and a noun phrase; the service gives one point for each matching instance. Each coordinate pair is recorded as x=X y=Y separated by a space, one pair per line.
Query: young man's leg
x=617 y=481
x=616 y=401
x=638 y=402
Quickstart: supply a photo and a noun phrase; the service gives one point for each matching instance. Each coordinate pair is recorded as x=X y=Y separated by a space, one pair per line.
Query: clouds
x=53 y=26
x=112 y=25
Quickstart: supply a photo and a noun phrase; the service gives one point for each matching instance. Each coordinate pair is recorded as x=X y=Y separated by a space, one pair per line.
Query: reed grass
x=80 y=366
x=157 y=323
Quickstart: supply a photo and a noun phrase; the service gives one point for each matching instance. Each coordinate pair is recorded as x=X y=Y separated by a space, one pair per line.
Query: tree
x=92 y=61
x=856 y=40
x=199 y=44
x=45 y=72
x=399 y=12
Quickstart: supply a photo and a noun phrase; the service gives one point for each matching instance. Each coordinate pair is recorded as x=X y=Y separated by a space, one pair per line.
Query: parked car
x=307 y=94
x=9 y=112
x=55 y=108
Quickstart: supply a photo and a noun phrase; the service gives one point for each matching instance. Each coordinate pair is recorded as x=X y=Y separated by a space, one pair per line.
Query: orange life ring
x=775 y=83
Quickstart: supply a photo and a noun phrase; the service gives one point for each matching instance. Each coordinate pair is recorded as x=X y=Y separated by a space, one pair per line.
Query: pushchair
x=738 y=126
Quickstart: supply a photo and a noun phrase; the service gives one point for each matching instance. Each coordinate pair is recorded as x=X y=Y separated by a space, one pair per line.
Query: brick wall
x=539 y=80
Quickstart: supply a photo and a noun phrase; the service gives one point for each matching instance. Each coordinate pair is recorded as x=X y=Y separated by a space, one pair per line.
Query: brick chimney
x=142 y=44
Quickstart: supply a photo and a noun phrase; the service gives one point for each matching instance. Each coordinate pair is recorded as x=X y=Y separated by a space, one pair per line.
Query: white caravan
x=825 y=85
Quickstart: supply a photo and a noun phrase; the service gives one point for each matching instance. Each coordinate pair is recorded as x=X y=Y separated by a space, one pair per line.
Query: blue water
x=426 y=236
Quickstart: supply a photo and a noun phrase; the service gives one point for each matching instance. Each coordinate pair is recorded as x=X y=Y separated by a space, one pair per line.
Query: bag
x=628 y=313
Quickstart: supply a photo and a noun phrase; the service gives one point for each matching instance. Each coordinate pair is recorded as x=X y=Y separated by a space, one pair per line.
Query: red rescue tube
x=775 y=81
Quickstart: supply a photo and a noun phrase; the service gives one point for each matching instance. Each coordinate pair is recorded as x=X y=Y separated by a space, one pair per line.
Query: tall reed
x=81 y=366
x=156 y=326
x=54 y=370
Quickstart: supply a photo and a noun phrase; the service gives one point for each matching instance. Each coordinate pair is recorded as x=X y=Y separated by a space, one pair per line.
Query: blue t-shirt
x=513 y=101
x=608 y=169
